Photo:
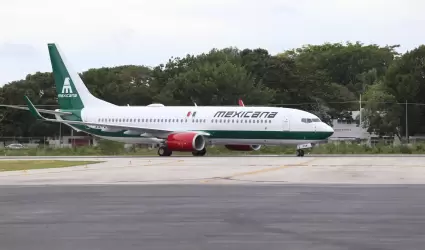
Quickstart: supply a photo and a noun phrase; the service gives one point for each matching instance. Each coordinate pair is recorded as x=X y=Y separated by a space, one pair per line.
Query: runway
x=227 y=170
x=217 y=203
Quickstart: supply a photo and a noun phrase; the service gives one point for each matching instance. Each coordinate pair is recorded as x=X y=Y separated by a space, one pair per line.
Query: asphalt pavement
x=111 y=217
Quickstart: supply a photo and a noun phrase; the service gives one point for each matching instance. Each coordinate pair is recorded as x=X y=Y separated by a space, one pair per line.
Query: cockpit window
x=310 y=120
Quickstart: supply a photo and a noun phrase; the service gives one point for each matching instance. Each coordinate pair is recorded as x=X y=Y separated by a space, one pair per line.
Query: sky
x=98 y=33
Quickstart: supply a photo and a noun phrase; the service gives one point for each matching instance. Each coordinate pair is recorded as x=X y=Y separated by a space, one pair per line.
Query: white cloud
x=95 y=33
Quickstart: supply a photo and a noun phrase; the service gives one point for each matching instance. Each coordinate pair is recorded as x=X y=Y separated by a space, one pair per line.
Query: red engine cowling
x=185 y=142
x=243 y=147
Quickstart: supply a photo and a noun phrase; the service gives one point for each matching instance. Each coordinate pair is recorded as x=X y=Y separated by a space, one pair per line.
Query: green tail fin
x=72 y=93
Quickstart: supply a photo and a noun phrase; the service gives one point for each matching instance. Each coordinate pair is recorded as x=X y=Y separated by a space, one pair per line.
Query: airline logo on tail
x=66 y=89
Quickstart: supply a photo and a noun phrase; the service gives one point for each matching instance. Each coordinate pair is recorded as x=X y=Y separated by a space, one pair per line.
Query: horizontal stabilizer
x=46 y=111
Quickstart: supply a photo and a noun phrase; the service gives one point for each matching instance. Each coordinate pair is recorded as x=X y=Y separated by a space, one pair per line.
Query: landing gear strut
x=199 y=153
x=300 y=152
x=164 y=151
x=300 y=149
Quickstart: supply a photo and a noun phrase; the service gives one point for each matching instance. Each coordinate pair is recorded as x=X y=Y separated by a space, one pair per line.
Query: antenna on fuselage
x=194 y=103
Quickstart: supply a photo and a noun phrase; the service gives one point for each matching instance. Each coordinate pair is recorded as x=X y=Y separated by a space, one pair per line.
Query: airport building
x=350 y=130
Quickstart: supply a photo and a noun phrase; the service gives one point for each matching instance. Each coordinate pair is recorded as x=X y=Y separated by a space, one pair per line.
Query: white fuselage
x=227 y=124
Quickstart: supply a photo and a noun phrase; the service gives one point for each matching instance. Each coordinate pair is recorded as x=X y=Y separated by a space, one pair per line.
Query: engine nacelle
x=185 y=142
x=243 y=147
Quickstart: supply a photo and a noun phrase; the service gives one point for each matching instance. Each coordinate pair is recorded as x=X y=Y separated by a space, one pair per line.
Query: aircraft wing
x=47 y=111
x=116 y=127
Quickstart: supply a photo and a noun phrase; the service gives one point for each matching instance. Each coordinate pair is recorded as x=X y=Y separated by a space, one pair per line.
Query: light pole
x=407 y=124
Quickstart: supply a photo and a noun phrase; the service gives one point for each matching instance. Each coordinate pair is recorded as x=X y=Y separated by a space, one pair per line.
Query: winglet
x=32 y=109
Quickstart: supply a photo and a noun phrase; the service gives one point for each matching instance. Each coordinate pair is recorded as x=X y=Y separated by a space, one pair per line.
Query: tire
x=164 y=151
x=199 y=153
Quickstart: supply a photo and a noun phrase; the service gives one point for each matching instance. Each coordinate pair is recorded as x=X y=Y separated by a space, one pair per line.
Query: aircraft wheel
x=164 y=151
x=300 y=153
x=199 y=153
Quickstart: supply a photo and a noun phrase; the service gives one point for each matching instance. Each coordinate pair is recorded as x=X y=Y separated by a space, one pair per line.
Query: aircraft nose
x=328 y=129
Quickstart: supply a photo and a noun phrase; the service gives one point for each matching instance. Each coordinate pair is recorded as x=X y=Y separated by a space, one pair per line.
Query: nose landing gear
x=300 y=152
x=300 y=149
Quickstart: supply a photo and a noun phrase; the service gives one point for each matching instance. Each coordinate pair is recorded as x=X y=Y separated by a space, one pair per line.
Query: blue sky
x=94 y=33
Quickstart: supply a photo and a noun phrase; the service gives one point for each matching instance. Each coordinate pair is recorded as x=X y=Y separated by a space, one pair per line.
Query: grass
x=13 y=165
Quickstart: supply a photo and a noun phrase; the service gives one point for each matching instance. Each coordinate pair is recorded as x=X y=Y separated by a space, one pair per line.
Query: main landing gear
x=164 y=151
x=199 y=153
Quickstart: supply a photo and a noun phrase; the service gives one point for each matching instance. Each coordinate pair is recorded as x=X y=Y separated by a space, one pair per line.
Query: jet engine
x=185 y=142
x=243 y=147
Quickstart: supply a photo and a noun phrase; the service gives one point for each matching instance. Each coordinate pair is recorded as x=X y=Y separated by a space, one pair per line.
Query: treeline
x=325 y=79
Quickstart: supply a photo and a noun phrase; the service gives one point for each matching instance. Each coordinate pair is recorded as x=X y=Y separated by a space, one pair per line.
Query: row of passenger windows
x=182 y=120
x=310 y=120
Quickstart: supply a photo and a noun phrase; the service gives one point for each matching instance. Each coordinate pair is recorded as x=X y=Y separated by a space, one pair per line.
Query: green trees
x=325 y=79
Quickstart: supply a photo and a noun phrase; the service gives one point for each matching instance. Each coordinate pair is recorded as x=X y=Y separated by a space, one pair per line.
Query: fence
x=55 y=142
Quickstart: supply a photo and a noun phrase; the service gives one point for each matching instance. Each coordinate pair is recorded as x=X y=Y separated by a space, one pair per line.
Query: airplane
x=176 y=128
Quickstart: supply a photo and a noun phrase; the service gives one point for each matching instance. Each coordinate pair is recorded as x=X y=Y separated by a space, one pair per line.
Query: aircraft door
x=285 y=125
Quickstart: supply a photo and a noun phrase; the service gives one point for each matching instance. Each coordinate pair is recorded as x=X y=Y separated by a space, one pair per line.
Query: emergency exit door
x=285 y=125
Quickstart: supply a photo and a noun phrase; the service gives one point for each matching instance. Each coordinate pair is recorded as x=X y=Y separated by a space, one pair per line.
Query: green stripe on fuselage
x=268 y=135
